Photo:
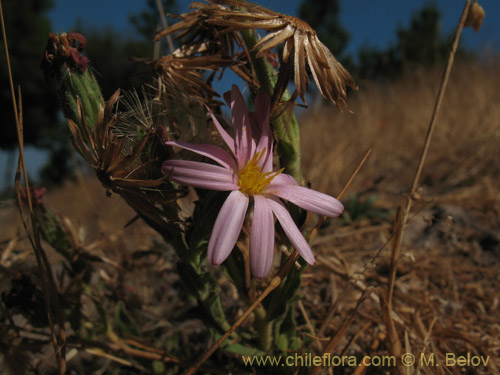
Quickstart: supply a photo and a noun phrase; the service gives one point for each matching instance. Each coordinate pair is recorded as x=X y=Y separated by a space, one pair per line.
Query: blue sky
x=369 y=22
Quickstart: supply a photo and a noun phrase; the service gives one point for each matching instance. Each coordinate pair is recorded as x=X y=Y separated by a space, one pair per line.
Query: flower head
x=248 y=174
x=214 y=27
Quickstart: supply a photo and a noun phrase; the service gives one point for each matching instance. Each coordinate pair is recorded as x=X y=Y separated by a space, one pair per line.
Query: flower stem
x=287 y=129
x=285 y=125
x=264 y=328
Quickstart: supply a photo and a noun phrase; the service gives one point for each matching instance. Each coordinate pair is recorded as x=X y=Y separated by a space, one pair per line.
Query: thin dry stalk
x=341 y=332
x=386 y=303
x=44 y=268
x=164 y=23
x=413 y=190
x=439 y=99
x=146 y=352
x=402 y=217
x=303 y=311
x=327 y=321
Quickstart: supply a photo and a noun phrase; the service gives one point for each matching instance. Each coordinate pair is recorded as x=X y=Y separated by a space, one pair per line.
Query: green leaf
x=234 y=268
x=124 y=322
x=242 y=350
x=285 y=333
x=277 y=301
x=158 y=367
x=192 y=280
x=206 y=291
x=201 y=223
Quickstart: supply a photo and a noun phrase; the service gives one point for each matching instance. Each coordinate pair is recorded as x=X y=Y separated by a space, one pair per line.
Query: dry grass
x=446 y=293
x=393 y=120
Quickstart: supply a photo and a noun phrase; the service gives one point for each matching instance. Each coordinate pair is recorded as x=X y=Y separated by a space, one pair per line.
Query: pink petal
x=227 y=227
x=308 y=199
x=245 y=145
x=260 y=118
x=200 y=175
x=266 y=163
x=284 y=179
x=262 y=131
x=225 y=136
x=291 y=230
x=261 y=238
x=210 y=151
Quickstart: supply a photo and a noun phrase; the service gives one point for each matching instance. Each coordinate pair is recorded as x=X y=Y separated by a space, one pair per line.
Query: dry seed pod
x=475 y=16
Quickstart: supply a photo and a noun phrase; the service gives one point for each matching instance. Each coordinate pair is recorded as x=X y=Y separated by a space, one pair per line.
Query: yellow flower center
x=251 y=179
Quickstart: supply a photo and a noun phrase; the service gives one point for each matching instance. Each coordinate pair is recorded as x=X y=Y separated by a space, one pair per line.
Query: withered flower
x=120 y=169
x=66 y=48
x=298 y=36
x=183 y=89
x=199 y=36
x=37 y=194
x=182 y=76
x=232 y=16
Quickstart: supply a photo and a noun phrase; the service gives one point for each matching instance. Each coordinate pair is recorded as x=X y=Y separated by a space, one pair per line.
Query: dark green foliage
x=123 y=321
x=278 y=298
x=285 y=331
x=207 y=292
x=357 y=209
x=204 y=215
x=27 y=27
x=233 y=266
x=420 y=45
x=110 y=56
x=280 y=307
x=147 y=22
x=53 y=231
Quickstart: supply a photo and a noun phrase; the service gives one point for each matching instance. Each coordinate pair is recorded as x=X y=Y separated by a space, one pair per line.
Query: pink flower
x=249 y=174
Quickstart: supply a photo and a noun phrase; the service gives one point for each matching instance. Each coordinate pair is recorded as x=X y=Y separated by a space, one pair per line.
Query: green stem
x=286 y=128
x=264 y=328
x=285 y=125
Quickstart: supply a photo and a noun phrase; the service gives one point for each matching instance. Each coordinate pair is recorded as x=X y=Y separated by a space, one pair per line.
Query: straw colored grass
x=393 y=120
x=446 y=292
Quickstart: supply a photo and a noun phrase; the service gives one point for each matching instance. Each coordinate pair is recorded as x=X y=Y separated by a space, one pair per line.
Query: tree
x=146 y=23
x=110 y=56
x=323 y=16
x=420 y=45
x=27 y=27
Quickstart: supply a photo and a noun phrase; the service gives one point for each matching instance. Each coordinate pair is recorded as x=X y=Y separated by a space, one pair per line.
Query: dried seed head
x=219 y=23
x=475 y=16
